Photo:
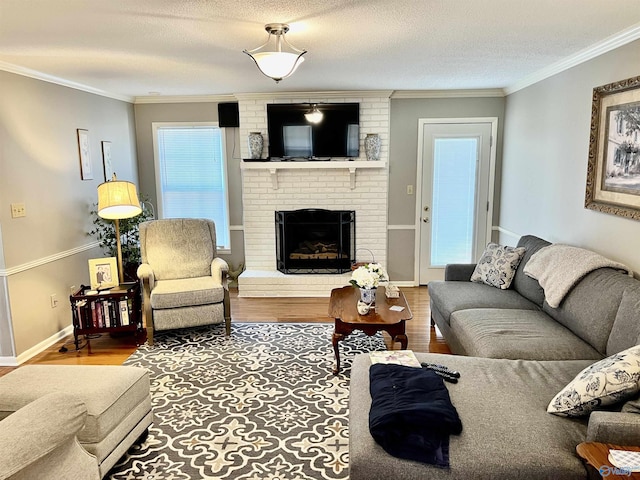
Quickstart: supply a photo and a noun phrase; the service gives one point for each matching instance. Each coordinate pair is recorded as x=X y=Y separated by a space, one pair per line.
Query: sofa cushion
x=506 y=430
x=517 y=334
x=497 y=265
x=607 y=382
x=590 y=308
x=529 y=287
x=185 y=292
x=626 y=327
x=452 y=296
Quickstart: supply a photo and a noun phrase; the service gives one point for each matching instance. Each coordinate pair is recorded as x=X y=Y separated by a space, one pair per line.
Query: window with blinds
x=191 y=176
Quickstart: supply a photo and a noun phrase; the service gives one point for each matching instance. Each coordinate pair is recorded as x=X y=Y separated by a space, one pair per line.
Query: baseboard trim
x=405 y=283
x=8 y=362
x=43 y=345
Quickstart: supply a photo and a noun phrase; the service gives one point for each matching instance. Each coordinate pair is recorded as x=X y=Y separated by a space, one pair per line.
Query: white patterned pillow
x=498 y=265
x=608 y=381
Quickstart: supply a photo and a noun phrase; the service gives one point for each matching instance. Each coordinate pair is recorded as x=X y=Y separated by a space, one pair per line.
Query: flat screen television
x=292 y=136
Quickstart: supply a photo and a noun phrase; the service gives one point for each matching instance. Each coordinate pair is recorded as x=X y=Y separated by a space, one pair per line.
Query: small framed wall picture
x=106 y=161
x=84 y=151
x=103 y=273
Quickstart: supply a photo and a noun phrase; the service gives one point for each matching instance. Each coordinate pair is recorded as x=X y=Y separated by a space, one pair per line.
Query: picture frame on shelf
x=107 y=168
x=103 y=273
x=613 y=170
x=84 y=152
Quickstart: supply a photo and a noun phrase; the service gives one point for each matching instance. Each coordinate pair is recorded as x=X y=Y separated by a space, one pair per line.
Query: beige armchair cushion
x=185 y=292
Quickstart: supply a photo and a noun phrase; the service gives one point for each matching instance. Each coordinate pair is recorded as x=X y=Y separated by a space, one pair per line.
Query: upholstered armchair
x=184 y=283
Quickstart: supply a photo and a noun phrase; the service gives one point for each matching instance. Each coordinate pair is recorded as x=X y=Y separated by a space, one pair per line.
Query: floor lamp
x=118 y=199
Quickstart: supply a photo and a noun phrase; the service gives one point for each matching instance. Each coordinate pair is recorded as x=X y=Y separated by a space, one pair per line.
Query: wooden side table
x=111 y=311
x=343 y=308
x=595 y=455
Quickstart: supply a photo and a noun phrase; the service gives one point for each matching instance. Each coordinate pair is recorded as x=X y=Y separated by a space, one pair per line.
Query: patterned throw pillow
x=608 y=381
x=498 y=265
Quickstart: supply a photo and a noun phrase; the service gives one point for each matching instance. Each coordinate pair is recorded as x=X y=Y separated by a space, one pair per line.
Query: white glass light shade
x=277 y=65
x=117 y=200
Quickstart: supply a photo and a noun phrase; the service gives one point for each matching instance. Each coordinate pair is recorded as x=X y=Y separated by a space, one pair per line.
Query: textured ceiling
x=194 y=47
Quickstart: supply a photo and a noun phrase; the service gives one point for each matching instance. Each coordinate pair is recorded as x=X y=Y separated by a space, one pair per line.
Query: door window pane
x=453 y=204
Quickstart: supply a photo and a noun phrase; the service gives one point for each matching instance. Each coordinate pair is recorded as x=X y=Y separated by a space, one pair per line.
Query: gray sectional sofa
x=482 y=321
x=515 y=353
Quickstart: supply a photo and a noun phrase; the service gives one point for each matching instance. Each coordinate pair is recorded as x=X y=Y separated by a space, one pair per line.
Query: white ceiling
x=194 y=47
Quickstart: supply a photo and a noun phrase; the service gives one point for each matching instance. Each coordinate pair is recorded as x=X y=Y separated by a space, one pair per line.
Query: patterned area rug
x=260 y=405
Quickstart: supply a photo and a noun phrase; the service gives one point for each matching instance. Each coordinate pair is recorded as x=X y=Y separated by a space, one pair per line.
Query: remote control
x=445 y=376
x=435 y=367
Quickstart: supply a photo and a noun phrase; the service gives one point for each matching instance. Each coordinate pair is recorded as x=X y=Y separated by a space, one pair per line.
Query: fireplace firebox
x=315 y=241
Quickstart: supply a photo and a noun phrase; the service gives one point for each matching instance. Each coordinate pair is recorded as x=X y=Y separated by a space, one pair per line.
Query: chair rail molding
x=49 y=259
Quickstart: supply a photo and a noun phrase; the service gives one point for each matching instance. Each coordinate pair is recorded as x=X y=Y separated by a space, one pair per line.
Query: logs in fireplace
x=315 y=241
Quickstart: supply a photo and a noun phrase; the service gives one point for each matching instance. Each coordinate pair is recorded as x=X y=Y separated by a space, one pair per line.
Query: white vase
x=256 y=143
x=368 y=295
x=372 y=146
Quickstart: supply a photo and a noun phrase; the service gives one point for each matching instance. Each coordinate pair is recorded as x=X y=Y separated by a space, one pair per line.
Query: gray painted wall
x=46 y=252
x=146 y=114
x=403 y=152
x=544 y=168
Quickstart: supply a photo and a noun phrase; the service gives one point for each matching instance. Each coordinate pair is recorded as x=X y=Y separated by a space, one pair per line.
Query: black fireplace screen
x=315 y=241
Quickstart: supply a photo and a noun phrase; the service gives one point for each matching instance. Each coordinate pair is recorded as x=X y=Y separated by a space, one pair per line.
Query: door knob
x=426 y=209
x=425 y=220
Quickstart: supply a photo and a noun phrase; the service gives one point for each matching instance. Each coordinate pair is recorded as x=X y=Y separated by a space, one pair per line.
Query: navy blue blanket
x=411 y=413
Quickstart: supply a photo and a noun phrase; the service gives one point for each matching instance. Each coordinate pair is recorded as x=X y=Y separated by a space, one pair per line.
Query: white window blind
x=191 y=175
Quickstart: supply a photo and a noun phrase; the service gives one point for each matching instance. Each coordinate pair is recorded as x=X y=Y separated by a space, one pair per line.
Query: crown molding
x=619 y=39
x=185 y=99
x=27 y=72
x=487 y=92
x=315 y=94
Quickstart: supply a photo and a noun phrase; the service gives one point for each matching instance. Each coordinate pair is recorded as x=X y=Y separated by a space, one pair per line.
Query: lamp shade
x=277 y=65
x=118 y=199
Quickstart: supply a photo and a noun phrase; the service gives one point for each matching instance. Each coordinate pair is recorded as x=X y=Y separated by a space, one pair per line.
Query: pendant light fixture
x=272 y=61
x=314 y=115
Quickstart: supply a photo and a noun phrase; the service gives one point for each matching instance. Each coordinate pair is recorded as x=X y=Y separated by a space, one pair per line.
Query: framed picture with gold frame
x=613 y=169
x=103 y=273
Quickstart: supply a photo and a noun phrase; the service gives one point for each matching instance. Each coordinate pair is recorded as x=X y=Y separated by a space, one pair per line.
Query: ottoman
x=117 y=399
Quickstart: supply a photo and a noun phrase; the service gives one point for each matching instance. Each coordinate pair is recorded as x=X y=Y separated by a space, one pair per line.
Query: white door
x=457 y=161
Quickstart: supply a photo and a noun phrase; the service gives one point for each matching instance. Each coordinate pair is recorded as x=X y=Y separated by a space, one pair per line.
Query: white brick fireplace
x=336 y=185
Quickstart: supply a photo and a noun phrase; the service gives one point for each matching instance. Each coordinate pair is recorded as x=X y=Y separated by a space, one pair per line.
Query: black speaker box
x=228 y=114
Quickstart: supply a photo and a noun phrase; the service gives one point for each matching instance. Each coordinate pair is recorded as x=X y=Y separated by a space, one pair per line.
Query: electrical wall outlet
x=54 y=300
x=18 y=210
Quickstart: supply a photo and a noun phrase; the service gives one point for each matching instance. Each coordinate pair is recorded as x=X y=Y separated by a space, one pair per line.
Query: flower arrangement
x=369 y=276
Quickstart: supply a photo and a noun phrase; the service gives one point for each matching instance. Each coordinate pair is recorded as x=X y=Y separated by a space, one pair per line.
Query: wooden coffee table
x=343 y=307
x=596 y=456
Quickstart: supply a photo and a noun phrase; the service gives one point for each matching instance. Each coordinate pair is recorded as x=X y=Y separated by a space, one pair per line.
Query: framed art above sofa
x=613 y=171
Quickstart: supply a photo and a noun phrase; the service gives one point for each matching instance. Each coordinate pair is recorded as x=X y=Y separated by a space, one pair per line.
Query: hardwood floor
x=108 y=350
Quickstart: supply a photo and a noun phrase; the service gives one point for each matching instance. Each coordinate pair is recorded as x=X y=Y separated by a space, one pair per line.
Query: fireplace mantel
x=351 y=166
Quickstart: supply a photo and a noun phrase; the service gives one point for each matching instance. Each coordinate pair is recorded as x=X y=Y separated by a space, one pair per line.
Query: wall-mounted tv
x=292 y=136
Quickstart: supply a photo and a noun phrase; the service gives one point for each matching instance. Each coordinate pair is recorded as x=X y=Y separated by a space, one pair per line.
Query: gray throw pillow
x=606 y=382
x=498 y=265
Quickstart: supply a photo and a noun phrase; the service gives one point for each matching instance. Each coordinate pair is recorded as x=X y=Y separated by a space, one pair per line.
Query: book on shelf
x=124 y=313
x=398 y=357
